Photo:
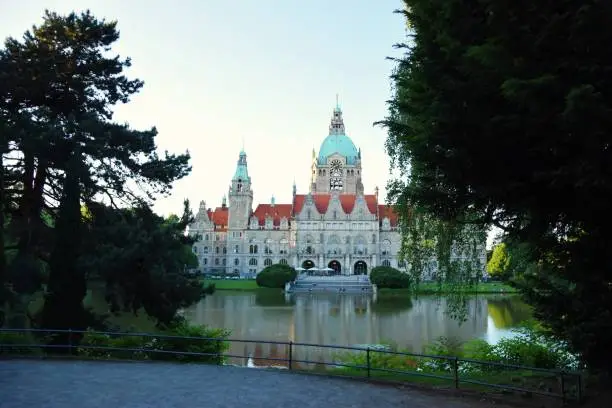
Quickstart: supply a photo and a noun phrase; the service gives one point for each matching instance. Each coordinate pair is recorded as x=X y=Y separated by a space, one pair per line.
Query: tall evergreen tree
x=63 y=80
x=503 y=110
x=143 y=259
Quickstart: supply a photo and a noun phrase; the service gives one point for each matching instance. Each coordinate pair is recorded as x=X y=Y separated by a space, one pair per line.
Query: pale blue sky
x=218 y=72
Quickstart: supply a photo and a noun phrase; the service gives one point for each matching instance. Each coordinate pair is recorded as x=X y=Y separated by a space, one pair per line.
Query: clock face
x=336 y=168
x=336 y=164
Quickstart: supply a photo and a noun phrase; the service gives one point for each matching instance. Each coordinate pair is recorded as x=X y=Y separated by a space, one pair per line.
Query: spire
x=224 y=201
x=272 y=201
x=336 y=127
x=242 y=172
x=294 y=188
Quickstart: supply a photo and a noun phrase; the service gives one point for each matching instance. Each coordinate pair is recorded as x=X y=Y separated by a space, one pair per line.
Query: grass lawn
x=428 y=288
x=228 y=284
x=423 y=288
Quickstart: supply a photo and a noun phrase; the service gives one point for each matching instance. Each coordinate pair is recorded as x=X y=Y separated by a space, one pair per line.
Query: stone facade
x=335 y=225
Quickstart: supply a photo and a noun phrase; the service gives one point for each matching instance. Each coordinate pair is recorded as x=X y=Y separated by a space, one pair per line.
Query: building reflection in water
x=347 y=320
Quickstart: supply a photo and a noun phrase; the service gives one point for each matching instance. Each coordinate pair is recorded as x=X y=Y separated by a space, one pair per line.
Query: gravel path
x=83 y=384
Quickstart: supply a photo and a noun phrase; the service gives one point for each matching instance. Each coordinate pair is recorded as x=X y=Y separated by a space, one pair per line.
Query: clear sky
x=220 y=73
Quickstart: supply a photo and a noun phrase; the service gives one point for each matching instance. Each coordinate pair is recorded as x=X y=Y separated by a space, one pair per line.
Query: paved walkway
x=83 y=384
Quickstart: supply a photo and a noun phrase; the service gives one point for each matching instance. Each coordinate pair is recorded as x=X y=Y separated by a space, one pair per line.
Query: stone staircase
x=331 y=284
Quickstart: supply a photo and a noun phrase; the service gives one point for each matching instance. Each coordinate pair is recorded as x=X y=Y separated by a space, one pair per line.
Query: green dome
x=338 y=144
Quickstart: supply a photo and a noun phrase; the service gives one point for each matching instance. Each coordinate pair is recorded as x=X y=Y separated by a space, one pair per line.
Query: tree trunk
x=63 y=308
x=3 y=282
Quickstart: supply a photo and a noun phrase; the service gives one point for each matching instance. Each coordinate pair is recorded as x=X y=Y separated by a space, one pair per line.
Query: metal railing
x=369 y=362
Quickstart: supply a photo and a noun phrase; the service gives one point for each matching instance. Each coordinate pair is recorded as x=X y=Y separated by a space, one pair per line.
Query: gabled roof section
x=321 y=202
x=276 y=211
x=389 y=212
x=219 y=218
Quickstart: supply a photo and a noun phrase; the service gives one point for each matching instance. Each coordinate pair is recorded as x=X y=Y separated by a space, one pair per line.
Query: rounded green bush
x=387 y=277
x=275 y=276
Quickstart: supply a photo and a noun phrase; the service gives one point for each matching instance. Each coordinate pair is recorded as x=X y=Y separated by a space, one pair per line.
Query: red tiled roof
x=219 y=217
x=347 y=201
x=277 y=212
x=387 y=211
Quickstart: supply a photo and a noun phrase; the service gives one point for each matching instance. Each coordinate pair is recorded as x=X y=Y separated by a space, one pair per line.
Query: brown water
x=347 y=320
x=351 y=320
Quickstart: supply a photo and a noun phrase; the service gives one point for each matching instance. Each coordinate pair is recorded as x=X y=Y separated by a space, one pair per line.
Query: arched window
x=236 y=261
x=225 y=250
x=205 y=250
x=206 y=237
x=195 y=249
x=223 y=262
x=267 y=262
x=386 y=262
x=284 y=246
x=252 y=249
x=205 y=261
x=283 y=262
x=217 y=250
x=236 y=249
x=253 y=262
x=386 y=247
x=216 y=261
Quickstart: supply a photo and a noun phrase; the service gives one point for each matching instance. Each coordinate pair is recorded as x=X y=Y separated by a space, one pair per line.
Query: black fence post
x=579 y=393
x=369 y=366
x=455 y=363
x=70 y=351
x=562 y=386
x=290 y=355
x=219 y=354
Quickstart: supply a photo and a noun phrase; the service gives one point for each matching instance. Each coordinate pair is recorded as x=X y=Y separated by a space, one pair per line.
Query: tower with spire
x=337 y=166
x=240 y=195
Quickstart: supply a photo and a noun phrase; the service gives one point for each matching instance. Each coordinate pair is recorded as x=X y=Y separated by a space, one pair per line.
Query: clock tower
x=240 y=196
x=337 y=167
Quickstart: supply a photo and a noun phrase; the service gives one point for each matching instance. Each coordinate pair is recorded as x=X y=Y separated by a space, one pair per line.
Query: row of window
x=268 y=262
x=252 y=262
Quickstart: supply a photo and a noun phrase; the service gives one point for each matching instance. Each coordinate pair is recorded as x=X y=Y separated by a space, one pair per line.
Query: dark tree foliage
x=59 y=85
x=143 y=259
x=504 y=109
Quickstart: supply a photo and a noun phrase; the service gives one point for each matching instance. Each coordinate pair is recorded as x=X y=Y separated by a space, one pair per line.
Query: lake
x=351 y=320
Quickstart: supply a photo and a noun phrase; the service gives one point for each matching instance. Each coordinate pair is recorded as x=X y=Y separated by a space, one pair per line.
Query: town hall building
x=336 y=225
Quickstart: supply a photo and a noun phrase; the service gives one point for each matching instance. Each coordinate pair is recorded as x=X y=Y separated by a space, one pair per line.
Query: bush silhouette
x=276 y=276
x=387 y=277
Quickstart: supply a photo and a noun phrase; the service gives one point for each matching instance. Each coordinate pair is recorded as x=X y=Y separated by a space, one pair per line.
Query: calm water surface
x=351 y=320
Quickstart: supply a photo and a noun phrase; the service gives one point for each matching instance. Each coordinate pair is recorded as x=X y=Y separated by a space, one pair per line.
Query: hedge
x=276 y=276
x=387 y=277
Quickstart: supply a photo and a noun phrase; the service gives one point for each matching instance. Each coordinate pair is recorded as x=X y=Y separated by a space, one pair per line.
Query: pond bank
x=429 y=288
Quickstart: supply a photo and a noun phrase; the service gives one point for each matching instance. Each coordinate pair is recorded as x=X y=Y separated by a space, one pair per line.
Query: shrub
x=18 y=344
x=276 y=276
x=379 y=358
x=213 y=344
x=387 y=277
x=166 y=346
